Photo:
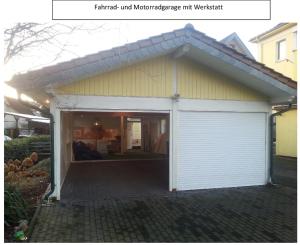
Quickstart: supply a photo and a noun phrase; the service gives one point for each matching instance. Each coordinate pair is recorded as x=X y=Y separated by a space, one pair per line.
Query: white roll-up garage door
x=220 y=149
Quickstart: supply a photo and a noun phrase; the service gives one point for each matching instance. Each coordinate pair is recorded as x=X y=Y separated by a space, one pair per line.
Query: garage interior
x=113 y=154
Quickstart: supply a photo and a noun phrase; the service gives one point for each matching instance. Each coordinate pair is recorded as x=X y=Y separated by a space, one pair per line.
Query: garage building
x=180 y=96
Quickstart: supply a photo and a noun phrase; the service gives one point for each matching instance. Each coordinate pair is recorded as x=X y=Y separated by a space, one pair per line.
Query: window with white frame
x=281 y=50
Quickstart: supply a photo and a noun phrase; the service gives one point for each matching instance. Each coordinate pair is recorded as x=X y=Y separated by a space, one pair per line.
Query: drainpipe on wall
x=52 y=184
x=272 y=116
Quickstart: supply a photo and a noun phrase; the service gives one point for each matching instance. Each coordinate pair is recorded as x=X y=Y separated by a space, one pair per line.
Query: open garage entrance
x=109 y=154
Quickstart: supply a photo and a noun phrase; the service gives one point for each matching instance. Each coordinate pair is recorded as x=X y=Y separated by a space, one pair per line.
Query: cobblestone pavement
x=248 y=214
x=285 y=171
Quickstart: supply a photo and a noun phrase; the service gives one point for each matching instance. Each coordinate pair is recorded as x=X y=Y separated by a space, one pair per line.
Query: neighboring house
x=277 y=48
x=20 y=119
x=233 y=41
x=203 y=104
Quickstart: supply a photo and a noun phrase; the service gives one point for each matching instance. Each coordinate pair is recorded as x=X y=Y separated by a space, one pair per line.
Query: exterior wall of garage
x=133 y=88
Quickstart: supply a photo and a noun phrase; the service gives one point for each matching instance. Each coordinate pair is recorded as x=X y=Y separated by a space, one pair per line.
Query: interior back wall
x=87 y=120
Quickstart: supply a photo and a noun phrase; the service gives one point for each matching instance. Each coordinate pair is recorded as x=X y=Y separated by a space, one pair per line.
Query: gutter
x=272 y=116
x=52 y=184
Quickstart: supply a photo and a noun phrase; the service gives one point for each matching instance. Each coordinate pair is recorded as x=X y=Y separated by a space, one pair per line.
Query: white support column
x=174 y=145
x=269 y=144
x=170 y=132
x=173 y=131
x=57 y=148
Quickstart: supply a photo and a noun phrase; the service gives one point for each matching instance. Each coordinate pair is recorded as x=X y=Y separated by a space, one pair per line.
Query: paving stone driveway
x=248 y=214
x=285 y=171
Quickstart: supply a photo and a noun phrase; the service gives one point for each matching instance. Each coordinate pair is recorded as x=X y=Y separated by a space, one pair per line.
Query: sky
x=116 y=33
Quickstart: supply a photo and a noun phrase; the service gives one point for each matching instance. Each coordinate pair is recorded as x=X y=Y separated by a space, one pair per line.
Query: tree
x=23 y=38
x=30 y=38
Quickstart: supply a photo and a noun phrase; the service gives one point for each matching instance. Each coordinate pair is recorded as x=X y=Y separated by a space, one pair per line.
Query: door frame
x=59 y=142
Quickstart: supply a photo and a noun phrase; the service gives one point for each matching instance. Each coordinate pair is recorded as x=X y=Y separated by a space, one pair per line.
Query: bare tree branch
x=23 y=37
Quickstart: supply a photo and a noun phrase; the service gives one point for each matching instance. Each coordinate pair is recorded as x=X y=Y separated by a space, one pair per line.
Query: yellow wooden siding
x=198 y=82
x=286 y=134
x=152 y=78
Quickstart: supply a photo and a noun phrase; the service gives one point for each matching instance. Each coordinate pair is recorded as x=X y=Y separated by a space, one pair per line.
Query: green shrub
x=15 y=208
x=20 y=148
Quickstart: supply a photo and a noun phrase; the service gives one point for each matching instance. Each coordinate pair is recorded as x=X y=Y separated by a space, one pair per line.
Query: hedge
x=20 y=148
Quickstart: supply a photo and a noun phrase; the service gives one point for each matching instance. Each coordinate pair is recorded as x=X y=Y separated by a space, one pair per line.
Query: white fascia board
x=89 y=103
x=223 y=105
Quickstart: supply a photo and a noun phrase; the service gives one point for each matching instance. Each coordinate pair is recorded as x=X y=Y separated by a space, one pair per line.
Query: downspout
x=52 y=184
x=272 y=116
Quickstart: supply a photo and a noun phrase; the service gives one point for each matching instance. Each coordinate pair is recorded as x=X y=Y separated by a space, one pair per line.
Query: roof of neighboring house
x=273 y=30
x=30 y=117
x=234 y=41
x=186 y=41
x=14 y=105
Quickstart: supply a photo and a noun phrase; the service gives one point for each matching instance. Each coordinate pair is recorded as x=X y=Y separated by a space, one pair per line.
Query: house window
x=295 y=40
x=281 y=50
